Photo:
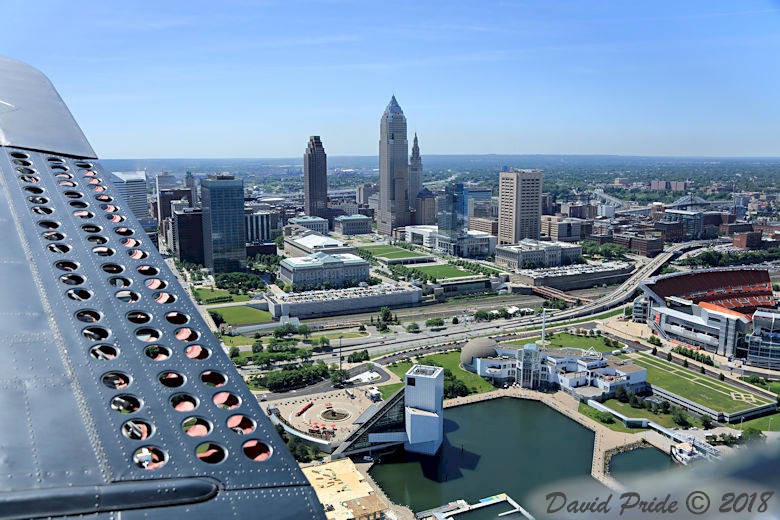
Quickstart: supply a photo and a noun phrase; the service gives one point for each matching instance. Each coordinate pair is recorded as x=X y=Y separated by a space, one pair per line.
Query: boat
x=684 y=453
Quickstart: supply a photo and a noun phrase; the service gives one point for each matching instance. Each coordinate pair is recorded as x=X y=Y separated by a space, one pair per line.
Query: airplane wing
x=116 y=400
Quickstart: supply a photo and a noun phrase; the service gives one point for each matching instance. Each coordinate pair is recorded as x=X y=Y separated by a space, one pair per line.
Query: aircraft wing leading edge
x=116 y=400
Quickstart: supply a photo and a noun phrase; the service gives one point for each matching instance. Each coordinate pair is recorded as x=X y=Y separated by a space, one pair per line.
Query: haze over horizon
x=246 y=79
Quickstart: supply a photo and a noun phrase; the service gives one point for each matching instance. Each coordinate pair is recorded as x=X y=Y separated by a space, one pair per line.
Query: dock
x=449 y=511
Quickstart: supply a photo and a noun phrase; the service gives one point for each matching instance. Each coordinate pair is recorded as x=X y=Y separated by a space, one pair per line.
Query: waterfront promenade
x=605 y=441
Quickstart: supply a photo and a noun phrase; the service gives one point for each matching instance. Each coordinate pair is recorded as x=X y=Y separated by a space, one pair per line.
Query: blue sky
x=255 y=78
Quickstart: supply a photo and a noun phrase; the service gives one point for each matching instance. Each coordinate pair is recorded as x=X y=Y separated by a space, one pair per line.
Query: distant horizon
x=279 y=158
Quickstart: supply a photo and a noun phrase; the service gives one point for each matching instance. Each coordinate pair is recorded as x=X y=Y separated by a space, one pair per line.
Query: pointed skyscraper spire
x=393 y=107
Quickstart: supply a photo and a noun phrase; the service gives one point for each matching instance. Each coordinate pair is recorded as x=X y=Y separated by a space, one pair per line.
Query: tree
x=234 y=352
x=304 y=331
x=455 y=320
x=668 y=356
x=324 y=341
x=665 y=406
x=685 y=363
x=338 y=377
x=655 y=351
x=413 y=327
x=604 y=417
x=621 y=394
x=721 y=377
x=385 y=315
x=701 y=369
x=257 y=347
x=362 y=328
x=217 y=317
x=751 y=435
x=679 y=416
x=706 y=421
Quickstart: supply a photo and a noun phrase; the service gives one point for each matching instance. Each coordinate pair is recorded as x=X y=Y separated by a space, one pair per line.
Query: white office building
x=132 y=189
x=472 y=244
x=533 y=253
x=352 y=225
x=317 y=224
x=584 y=372
x=320 y=269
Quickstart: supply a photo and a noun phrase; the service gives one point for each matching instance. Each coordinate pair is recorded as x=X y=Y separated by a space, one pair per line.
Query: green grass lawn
x=443 y=271
x=390 y=389
x=662 y=419
x=244 y=315
x=697 y=387
x=334 y=336
x=237 y=341
x=390 y=252
x=205 y=295
x=565 y=340
x=762 y=423
x=449 y=360
x=617 y=426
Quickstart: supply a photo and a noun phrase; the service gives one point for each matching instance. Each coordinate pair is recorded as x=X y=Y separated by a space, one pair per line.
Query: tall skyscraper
x=132 y=188
x=224 y=228
x=189 y=183
x=315 y=179
x=187 y=232
x=452 y=211
x=165 y=181
x=519 y=205
x=415 y=172
x=393 y=170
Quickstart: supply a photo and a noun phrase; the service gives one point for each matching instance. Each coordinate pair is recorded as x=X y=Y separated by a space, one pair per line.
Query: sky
x=241 y=78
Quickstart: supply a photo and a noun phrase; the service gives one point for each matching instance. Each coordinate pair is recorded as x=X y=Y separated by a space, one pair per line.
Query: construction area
x=344 y=492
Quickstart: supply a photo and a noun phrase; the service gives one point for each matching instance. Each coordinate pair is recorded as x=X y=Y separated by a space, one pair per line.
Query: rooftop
x=352 y=217
x=307 y=218
x=570 y=270
x=424 y=371
x=341 y=294
x=529 y=244
x=341 y=486
x=319 y=259
x=318 y=241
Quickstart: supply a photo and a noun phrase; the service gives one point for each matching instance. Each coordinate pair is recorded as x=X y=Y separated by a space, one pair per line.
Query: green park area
x=443 y=271
x=596 y=415
x=767 y=423
x=243 y=315
x=664 y=419
x=389 y=390
x=390 y=252
x=566 y=340
x=208 y=296
x=450 y=360
x=237 y=341
x=697 y=387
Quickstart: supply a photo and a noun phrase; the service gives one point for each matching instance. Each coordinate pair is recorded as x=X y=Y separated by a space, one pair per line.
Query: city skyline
x=663 y=79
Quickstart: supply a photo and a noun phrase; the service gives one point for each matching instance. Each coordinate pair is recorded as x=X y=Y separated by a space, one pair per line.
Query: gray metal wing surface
x=116 y=400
